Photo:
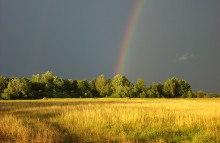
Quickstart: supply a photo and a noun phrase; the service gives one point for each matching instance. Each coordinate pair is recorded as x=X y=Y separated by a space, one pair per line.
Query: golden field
x=110 y=120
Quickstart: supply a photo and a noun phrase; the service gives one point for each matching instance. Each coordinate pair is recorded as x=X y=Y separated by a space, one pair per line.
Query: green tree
x=120 y=80
x=93 y=89
x=141 y=88
x=17 y=89
x=155 y=90
x=3 y=84
x=108 y=90
x=70 y=86
x=84 y=89
x=122 y=87
x=200 y=94
x=37 y=86
x=58 y=84
x=36 y=78
x=185 y=90
x=175 y=87
x=48 y=78
x=37 y=83
x=100 y=84
x=122 y=92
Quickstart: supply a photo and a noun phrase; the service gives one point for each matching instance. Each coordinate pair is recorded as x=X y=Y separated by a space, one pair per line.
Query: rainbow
x=128 y=36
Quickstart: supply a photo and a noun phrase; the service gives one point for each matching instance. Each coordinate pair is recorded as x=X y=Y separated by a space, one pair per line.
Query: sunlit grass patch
x=110 y=120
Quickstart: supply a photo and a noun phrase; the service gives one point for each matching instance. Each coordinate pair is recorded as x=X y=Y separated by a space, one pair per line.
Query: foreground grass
x=110 y=120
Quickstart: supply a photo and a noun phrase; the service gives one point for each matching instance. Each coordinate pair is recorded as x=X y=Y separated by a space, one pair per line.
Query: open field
x=110 y=120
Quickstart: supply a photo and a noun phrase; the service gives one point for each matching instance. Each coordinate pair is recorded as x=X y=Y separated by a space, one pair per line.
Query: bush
x=211 y=95
x=200 y=94
x=114 y=95
x=6 y=96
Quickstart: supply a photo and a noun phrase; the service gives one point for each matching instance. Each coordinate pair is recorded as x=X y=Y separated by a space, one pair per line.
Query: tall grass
x=110 y=120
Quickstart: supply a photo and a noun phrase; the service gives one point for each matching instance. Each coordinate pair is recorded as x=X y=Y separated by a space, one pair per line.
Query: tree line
x=50 y=86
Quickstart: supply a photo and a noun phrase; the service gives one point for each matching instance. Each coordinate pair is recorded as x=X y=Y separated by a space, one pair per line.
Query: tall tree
x=48 y=78
x=100 y=84
x=141 y=88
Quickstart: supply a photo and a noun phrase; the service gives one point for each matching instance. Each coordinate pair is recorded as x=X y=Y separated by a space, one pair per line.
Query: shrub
x=200 y=94
x=6 y=96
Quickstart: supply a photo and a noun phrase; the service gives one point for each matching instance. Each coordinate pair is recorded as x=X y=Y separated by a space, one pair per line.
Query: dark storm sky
x=81 y=39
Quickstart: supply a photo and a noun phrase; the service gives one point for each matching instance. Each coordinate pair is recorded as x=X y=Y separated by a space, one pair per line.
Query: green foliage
x=200 y=94
x=17 y=89
x=212 y=95
x=141 y=88
x=47 y=77
x=92 y=88
x=155 y=90
x=84 y=88
x=122 y=91
x=140 y=85
x=70 y=86
x=122 y=87
x=48 y=85
x=100 y=83
x=103 y=87
x=174 y=88
x=120 y=80
x=107 y=91
x=6 y=96
x=170 y=88
x=143 y=94
x=3 y=84
x=57 y=84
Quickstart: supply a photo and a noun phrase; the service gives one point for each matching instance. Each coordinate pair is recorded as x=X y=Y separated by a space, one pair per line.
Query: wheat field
x=110 y=120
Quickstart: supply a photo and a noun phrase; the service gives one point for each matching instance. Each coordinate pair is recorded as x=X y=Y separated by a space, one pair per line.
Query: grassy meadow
x=110 y=120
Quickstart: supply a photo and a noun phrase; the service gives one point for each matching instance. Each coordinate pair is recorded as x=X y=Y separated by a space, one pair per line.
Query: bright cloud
x=185 y=57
